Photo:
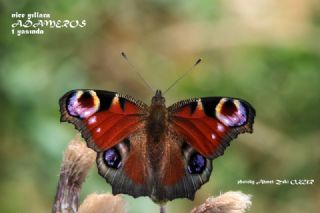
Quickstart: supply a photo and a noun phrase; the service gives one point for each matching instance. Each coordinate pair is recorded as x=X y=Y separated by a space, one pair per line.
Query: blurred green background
x=266 y=52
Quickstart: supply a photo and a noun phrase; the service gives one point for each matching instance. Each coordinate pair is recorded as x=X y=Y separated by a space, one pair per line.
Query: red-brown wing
x=209 y=124
x=103 y=118
x=125 y=166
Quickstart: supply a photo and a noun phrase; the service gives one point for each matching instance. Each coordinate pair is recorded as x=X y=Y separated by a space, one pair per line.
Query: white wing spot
x=98 y=130
x=86 y=113
x=92 y=120
x=220 y=127
x=213 y=136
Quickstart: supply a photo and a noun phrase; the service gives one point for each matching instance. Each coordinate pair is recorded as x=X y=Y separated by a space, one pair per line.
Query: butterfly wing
x=112 y=125
x=103 y=118
x=125 y=166
x=179 y=177
x=209 y=124
x=201 y=129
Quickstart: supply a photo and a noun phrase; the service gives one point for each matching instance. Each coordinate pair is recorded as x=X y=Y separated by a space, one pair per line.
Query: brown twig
x=76 y=163
x=162 y=209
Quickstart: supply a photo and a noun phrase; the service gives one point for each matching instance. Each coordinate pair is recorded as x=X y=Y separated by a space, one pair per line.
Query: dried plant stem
x=162 y=209
x=67 y=197
x=75 y=166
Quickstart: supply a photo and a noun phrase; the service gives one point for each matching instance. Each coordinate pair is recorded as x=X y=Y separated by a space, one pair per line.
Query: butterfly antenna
x=184 y=74
x=134 y=70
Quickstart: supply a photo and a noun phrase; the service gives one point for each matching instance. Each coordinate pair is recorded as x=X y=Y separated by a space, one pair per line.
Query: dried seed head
x=229 y=202
x=77 y=160
x=103 y=203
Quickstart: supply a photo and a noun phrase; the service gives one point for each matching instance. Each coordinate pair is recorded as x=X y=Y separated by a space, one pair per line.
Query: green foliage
x=277 y=72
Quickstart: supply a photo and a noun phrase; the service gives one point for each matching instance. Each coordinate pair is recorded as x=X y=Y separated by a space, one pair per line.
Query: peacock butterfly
x=163 y=153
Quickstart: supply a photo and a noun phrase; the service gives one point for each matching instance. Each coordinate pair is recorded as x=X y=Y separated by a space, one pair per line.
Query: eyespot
x=83 y=103
x=231 y=112
x=197 y=163
x=112 y=158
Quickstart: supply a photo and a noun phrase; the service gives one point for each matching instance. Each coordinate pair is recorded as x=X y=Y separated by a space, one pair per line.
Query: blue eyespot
x=197 y=163
x=112 y=158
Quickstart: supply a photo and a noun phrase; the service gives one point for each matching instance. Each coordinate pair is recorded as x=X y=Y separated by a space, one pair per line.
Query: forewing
x=104 y=118
x=209 y=124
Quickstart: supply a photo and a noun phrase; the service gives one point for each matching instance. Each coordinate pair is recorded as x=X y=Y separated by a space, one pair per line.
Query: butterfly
x=164 y=153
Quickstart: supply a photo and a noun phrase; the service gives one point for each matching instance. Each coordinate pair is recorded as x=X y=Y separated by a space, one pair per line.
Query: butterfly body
x=164 y=153
x=157 y=119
